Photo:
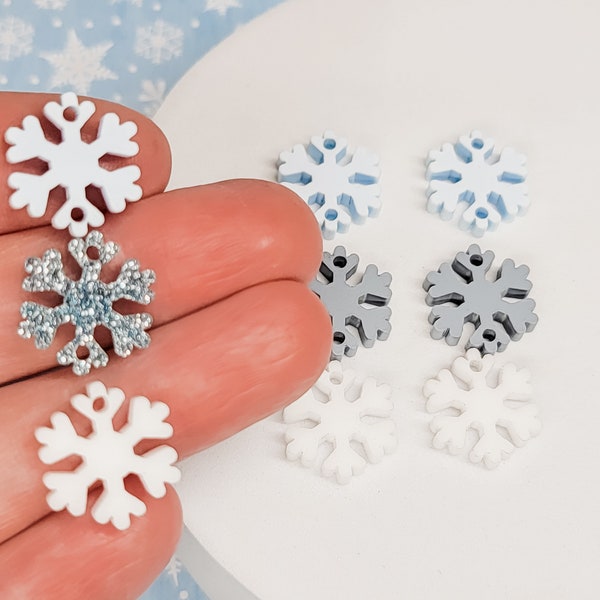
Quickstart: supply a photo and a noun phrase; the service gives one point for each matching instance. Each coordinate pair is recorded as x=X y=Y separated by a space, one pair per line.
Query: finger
x=219 y=370
x=153 y=158
x=66 y=558
x=204 y=244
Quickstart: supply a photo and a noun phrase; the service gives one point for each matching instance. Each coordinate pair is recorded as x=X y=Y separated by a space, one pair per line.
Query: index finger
x=153 y=157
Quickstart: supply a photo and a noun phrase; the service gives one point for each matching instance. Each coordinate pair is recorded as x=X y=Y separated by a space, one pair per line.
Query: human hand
x=236 y=336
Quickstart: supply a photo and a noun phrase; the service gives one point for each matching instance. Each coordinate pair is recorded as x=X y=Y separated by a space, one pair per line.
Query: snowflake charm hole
x=499 y=416
x=107 y=455
x=476 y=260
x=72 y=164
x=489 y=335
x=477 y=143
x=339 y=188
x=352 y=424
x=93 y=253
x=481 y=213
x=340 y=262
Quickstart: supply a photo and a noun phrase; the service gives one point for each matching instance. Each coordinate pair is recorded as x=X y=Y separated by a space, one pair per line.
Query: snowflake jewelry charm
x=340 y=421
x=73 y=164
x=491 y=185
x=482 y=407
x=107 y=455
x=361 y=306
x=499 y=309
x=339 y=190
x=87 y=303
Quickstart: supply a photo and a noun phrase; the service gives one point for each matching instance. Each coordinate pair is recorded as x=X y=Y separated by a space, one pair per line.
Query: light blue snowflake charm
x=87 y=303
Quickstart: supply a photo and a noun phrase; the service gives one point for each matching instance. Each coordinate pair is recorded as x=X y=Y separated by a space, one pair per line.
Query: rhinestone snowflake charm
x=73 y=164
x=87 y=303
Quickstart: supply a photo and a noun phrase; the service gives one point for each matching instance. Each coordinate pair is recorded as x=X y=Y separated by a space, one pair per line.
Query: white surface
x=401 y=78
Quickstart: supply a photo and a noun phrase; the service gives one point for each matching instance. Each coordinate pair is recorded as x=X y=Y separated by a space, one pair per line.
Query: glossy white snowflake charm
x=486 y=399
x=73 y=164
x=107 y=455
x=345 y=411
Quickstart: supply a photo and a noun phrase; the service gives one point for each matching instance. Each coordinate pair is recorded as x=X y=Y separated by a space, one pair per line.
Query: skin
x=237 y=335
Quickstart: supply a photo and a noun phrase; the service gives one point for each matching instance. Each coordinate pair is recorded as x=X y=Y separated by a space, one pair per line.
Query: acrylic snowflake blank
x=107 y=455
x=87 y=303
x=461 y=293
x=73 y=164
x=339 y=405
x=339 y=190
x=483 y=407
x=360 y=307
x=492 y=186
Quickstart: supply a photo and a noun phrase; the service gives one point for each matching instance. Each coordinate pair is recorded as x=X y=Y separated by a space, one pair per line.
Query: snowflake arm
x=108 y=455
x=340 y=421
x=482 y=407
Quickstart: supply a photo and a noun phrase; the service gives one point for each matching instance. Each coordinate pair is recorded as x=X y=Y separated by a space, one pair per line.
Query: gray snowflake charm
x=499 y=309
x=362 y=307
x=87 y=303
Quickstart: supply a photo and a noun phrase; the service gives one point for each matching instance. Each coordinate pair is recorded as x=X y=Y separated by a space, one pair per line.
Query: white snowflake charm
x=107 y=455
x=87 y=303
x=483 y=407
x=491 y=186
x=340 y=190
x=345 y=411
x=73 y=164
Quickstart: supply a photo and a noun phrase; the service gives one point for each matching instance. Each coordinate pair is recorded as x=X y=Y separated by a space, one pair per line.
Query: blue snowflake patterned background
x=129 y=51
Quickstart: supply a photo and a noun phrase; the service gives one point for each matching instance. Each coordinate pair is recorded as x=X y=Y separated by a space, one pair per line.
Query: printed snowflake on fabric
x=16 y=38
x=107 y=455
x=499 y=309
x=51 y=4
x=360 y=307
x=77 y=66
x=221 y=6
x=492 y=186
x=345 y=412
x=483 y=407
x=339 y=190
x=87 y=303
x=159 y=42
x=153 y=95
x=73 y=164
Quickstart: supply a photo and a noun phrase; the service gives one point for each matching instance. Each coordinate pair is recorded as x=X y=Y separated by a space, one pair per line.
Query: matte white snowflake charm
x=345 y=410
x=107 y=455
x=484 y=405
x=87 y=303
x=73 y=164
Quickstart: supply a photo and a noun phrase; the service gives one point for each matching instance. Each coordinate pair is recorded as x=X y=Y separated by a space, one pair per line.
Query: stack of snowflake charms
x=87 y=303
x=459 y=292
x=491 y=186
x=340 y=190
x=73 y=164
x=107 y=455
x=483 y=407
x=344 y=410
x=361 y=307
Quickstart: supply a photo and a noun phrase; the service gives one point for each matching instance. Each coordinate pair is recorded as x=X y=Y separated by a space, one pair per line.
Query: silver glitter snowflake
x=87 y=303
